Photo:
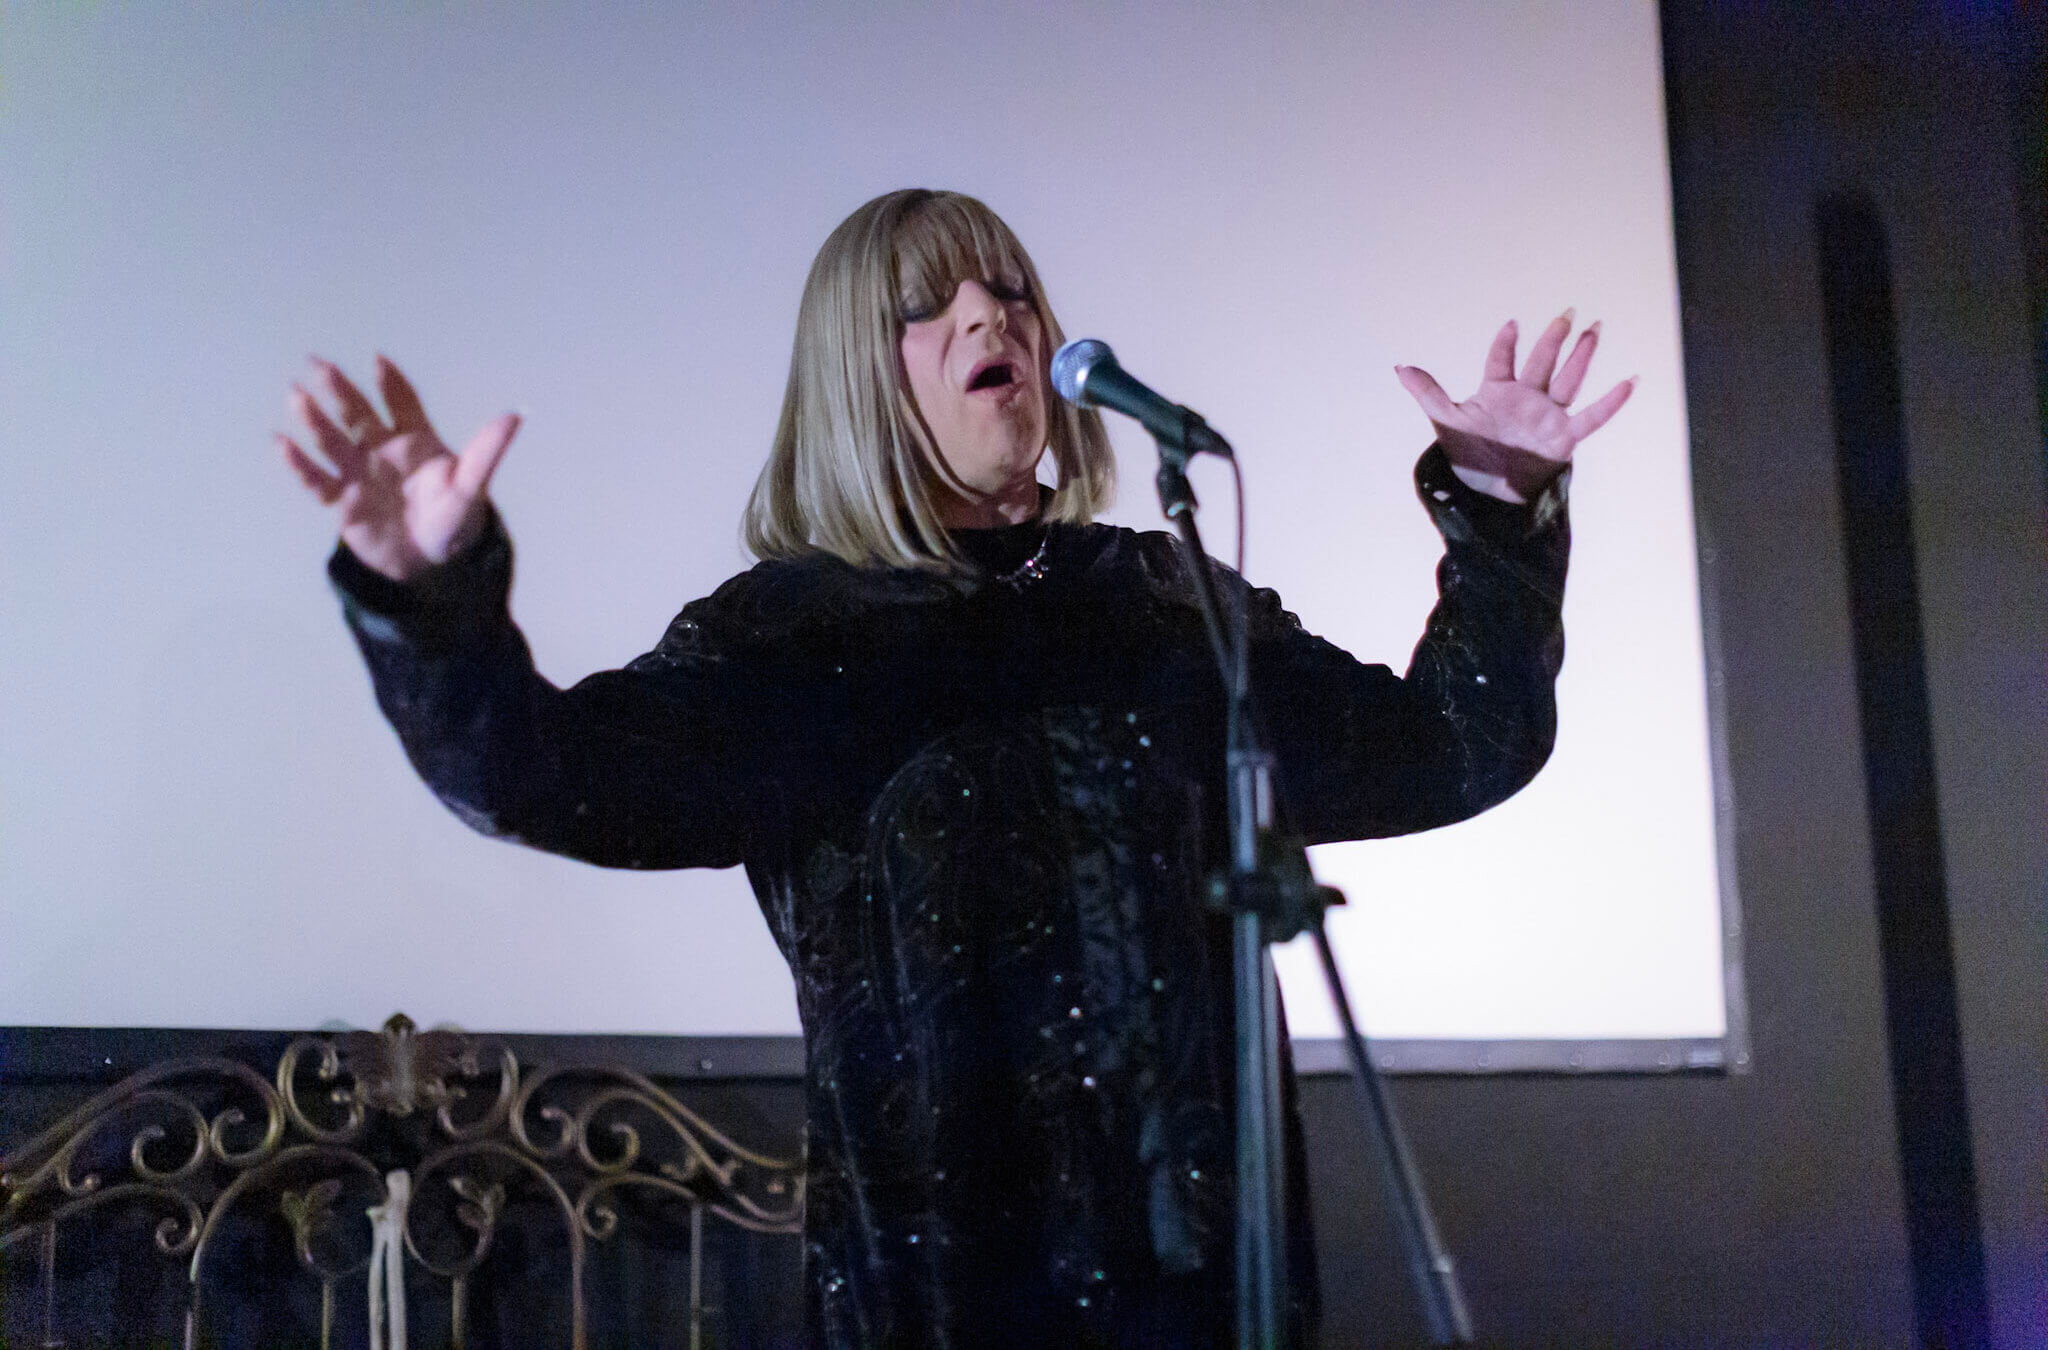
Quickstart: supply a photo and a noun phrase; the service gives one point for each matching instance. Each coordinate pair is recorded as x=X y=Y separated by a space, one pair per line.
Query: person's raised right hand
x=407 y=502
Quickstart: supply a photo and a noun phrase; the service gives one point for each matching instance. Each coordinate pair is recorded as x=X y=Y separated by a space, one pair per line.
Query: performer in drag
x=968 y=746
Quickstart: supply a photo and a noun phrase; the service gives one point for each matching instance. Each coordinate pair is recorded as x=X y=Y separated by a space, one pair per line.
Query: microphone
x=1086 y=374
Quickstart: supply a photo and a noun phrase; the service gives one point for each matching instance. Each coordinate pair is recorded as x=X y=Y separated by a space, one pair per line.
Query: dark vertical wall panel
x=1931 y=1101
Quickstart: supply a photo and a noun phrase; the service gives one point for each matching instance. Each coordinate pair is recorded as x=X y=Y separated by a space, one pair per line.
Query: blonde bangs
x=950 y=240
x=853 y=467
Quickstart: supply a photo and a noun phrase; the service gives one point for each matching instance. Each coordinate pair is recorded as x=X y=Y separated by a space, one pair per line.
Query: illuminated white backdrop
x=604 y=217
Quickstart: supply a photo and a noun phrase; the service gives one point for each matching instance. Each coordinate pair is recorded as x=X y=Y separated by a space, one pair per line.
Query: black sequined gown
x=977 y=815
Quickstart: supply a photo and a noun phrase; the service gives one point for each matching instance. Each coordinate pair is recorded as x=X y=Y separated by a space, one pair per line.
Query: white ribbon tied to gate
x=387 y=1263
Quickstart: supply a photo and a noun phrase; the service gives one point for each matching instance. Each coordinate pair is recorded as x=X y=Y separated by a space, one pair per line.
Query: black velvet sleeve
x=1364 y=753
x=629 y=768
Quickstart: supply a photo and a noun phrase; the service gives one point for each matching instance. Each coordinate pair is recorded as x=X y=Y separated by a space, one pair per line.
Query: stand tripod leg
x=1436 y=1280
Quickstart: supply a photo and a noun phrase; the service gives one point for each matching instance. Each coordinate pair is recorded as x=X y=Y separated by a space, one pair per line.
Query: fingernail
x=1593 y=329
x=1571 y=312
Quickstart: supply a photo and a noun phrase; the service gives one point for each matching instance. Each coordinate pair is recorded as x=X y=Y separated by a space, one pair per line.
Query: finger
x=1595 y=417
x=479 y=459
x=1572 y=374
x=408 y=450
x=358 y=414
x=1500 y=358
x=407 y=412
x=1543 y=356
x=333 y=442
x=318 y=481
x=1424 y=389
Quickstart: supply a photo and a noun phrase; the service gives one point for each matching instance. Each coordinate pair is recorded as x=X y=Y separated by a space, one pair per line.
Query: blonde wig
x=854 y=470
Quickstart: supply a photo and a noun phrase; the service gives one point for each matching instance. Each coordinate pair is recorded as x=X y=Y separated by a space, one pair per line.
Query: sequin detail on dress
x=977 y=817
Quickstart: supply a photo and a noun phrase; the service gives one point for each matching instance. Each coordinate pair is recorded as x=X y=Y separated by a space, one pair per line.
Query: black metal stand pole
x=1271 y=897
x=1261 y=1192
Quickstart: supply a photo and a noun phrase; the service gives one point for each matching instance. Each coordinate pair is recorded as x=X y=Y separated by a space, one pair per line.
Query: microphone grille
x=1071 y=363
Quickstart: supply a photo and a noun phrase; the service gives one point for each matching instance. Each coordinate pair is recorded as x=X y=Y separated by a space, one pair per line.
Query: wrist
x=439 y=605
x=1463 y=509
x=1493 y=485
x=471 y=529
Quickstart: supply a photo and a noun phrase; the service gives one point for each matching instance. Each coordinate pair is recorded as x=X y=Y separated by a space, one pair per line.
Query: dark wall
x=1767 y=1206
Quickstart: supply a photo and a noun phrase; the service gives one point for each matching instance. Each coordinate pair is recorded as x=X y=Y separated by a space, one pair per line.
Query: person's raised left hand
x=1513 y=436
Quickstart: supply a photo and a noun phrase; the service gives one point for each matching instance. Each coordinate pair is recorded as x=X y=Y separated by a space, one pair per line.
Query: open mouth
x=998 y=375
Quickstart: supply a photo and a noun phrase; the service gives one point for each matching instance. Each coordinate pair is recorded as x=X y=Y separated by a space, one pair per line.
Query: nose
x=978 y=308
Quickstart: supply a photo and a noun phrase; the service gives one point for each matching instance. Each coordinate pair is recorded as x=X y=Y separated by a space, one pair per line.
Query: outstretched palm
x=1515 y=434
x=407 y=502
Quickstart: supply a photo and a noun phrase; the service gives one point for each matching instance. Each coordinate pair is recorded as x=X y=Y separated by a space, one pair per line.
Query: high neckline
x=1001 y=549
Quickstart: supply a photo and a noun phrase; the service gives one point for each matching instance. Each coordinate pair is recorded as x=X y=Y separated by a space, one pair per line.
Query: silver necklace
x=1030 y=570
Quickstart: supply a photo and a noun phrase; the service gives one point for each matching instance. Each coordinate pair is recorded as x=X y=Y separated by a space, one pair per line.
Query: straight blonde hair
x=853 y=468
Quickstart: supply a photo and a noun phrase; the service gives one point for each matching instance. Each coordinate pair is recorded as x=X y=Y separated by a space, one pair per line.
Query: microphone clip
x=1196 y=437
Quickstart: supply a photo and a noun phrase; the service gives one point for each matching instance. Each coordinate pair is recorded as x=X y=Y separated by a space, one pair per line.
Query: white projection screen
x=602 y=216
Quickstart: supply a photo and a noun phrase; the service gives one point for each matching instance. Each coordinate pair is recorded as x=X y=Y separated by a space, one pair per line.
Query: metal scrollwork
x=696 y=1159
x=310 y=1212
x=481 y=1203
x=148 y=1113
x=205 y=1140
x=397 y=1072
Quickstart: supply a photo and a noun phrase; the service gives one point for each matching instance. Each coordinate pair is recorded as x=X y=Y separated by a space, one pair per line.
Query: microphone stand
x=1272 y=896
